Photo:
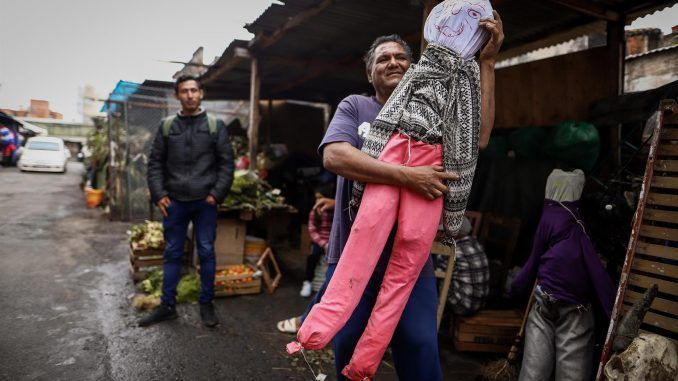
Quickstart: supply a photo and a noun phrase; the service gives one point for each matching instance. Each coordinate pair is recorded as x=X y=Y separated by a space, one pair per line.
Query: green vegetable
x=188 y=289
x=249 y=192
x=153 y=284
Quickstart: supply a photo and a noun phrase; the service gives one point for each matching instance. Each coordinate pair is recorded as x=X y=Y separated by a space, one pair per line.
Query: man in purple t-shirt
x=415 y=344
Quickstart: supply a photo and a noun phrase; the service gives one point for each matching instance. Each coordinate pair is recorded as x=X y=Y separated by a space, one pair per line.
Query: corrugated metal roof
x=653 y=51
x=319 y=58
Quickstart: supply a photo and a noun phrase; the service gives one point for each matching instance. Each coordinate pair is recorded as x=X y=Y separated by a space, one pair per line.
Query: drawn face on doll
x=466 y=15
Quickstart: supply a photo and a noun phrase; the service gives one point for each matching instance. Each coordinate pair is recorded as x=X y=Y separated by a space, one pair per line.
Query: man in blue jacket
x=190 y=172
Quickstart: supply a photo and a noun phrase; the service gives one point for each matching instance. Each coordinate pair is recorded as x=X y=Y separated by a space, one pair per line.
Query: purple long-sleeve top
x=564 y=261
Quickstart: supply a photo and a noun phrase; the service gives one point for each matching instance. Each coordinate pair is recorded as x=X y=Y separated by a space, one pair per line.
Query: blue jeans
x=415 y=340
x=204 y=218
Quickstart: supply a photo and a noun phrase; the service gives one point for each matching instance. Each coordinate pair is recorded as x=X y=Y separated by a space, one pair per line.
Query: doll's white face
x=458 y=18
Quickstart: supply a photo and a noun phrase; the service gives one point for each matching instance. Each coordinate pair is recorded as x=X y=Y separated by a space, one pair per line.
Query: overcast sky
x=51 y=49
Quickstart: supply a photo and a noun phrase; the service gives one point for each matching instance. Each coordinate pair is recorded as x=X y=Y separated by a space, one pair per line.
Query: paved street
x=64 y=287
x=66 y=315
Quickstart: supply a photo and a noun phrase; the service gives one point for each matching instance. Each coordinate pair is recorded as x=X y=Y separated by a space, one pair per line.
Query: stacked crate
x=488 y=331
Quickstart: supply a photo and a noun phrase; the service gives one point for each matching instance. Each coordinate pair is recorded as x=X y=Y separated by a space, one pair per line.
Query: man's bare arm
x=488 y=57
x=345 y=160
x=487 y=102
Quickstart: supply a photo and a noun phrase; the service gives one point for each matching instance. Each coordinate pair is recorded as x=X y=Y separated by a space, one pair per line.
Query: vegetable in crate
x=147 y=235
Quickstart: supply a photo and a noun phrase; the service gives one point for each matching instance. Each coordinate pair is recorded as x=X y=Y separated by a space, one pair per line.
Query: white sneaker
x=306 y=289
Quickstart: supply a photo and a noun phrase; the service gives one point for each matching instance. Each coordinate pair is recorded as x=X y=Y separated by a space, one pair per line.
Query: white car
x=44 y=154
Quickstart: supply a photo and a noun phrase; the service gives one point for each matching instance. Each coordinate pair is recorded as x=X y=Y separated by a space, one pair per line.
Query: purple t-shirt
x=351 y=120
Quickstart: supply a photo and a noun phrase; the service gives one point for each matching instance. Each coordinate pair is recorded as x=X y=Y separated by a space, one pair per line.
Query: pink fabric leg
x=373 y=224
x=418 y=221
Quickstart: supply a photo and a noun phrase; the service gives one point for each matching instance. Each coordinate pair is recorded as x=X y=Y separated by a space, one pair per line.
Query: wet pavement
x=66 y=314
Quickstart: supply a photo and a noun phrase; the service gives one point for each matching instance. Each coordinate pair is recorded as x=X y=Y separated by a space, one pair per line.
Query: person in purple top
x=569 y=278
x=415 y=343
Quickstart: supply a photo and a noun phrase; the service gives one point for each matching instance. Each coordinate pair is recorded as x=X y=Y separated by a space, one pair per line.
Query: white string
x=309 y=365
x=575 y=217
x=409 y=149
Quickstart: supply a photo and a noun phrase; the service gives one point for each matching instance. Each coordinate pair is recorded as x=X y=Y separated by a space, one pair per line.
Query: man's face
x=190 y=95
x=390 y=64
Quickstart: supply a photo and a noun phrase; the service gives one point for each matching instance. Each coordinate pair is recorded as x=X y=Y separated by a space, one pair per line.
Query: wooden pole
x=616 y=45
x=253 y=132
x=270 y=122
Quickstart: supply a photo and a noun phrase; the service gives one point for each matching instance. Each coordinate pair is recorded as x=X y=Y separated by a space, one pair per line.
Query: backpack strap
x=167 y=124
x=212 y=123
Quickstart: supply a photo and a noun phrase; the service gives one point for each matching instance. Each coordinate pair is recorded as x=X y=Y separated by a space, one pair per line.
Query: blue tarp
x=121 y=93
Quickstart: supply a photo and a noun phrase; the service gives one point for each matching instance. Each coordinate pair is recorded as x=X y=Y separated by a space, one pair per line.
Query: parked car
x=44 y=154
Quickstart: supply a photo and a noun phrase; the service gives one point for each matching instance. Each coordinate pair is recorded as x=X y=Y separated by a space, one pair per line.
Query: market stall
x=243 y=264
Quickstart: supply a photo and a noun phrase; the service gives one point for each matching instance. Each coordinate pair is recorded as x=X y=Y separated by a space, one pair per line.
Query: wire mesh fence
x=132 y=122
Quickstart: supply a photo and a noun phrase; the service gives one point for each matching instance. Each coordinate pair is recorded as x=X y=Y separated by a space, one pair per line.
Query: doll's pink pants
x=381 y=206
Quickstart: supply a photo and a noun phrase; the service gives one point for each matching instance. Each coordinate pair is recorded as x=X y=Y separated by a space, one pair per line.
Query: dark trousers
x=415 y=341
x=312 y=261
x=204 y=218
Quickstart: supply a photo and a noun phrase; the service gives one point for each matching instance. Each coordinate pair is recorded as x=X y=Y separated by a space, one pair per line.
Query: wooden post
x=253 y=132
x=269 y=125
x=616 y=45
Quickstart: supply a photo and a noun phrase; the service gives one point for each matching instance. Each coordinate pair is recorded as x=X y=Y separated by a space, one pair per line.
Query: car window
x=43 y=146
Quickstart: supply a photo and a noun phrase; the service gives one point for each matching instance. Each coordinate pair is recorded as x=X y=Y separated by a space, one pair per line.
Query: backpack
x=167 y=124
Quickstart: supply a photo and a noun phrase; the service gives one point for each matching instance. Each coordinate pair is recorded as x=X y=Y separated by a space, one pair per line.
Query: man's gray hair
x=369 y=56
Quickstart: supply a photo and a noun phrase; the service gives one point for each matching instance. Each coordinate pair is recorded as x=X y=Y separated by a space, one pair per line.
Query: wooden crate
x=146 y=257
x=488 y=331
x=141 y=271
x=227 y=285
x=144 y=261
x=146 y=251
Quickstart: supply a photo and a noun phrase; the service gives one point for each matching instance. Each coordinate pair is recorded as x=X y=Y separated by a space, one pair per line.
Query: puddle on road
x=69 y=361
x=122 y=338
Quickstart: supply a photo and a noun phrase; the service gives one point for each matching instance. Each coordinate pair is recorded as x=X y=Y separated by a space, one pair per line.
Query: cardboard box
x=229 y=246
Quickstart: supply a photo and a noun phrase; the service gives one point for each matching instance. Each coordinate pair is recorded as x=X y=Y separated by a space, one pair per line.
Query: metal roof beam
x=239 y=55
x=262 y=40
x=340 y=64
x=315 y=73
x=589 y=8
